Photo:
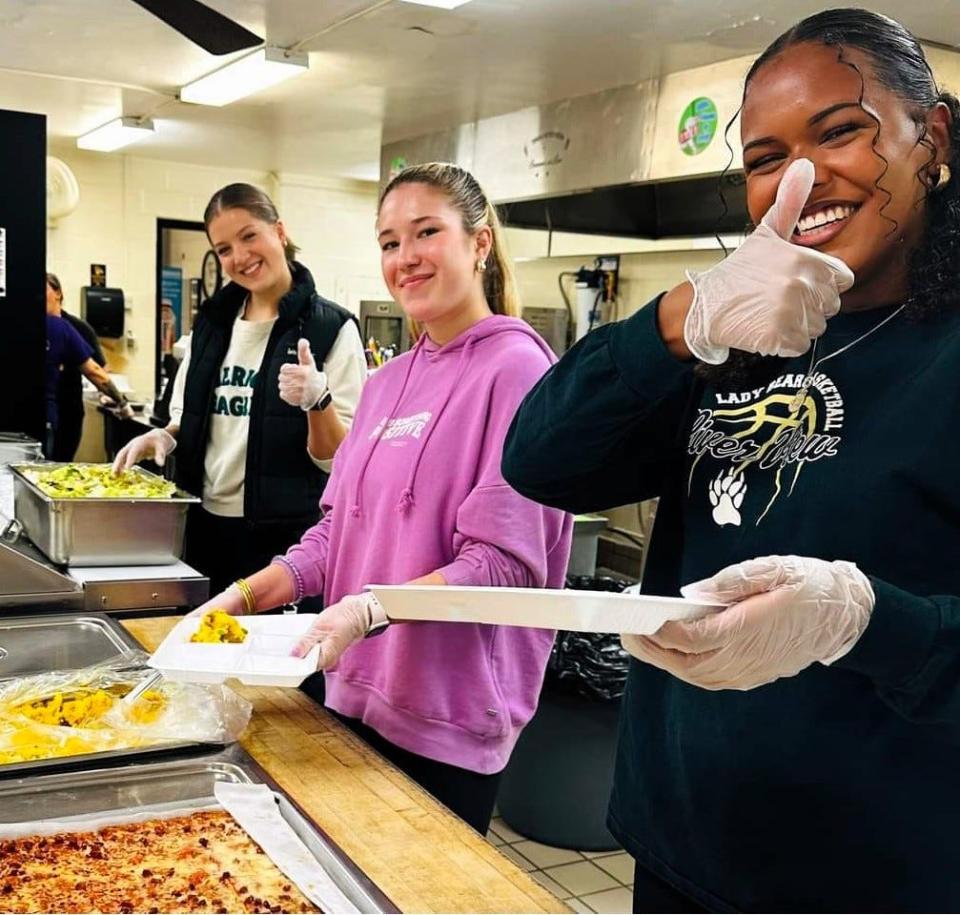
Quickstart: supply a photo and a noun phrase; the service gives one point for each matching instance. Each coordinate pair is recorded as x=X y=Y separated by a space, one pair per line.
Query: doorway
x=183 y=253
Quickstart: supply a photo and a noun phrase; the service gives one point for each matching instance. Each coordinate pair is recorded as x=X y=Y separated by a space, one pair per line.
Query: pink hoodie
x=416 y=487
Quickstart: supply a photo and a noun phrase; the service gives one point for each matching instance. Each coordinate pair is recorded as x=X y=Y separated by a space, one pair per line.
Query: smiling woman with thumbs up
x=265 y=395
x=796 y=410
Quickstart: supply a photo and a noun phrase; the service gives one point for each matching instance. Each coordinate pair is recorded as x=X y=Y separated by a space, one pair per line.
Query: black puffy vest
x=282 y=484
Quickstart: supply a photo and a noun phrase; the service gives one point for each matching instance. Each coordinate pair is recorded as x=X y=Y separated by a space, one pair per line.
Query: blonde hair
x=476 y=211
x=256 y=202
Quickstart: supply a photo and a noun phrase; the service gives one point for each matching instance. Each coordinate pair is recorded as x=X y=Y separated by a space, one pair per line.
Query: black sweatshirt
x=837 y=789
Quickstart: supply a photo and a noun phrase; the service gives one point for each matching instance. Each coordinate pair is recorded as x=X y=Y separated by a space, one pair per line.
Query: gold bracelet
x=246 y=592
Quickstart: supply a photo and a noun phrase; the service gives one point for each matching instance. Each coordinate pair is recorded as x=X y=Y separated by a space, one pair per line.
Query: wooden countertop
x=419 y=854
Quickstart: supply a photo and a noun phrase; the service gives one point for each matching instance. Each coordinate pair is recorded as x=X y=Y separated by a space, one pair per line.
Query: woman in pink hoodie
x=416 y=495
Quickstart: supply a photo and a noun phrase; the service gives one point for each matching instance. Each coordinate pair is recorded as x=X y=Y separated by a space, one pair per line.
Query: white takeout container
x=262 y=659
x=538 y=608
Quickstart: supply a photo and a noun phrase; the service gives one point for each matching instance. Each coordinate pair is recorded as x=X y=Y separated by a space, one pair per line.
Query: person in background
x=69 y=427
x=797 y=410
x=68 y=351
x=416 y=496
x=264 y=396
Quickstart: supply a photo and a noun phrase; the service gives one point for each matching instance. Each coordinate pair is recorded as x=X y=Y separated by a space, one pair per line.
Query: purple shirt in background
x=64 y=347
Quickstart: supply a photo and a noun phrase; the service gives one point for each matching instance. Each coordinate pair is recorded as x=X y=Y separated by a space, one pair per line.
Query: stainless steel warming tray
x=186 y=784
x=37 y=644
x=101 y=531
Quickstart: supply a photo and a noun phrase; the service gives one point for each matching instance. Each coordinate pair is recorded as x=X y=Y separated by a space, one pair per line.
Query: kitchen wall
x=643 y=274
x=121 y=198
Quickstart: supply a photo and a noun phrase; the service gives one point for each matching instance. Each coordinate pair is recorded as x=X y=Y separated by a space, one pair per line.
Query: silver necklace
x=801 y=394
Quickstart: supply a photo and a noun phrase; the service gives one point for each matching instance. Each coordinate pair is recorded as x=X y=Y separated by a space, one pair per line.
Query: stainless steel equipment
x=583 y=551
x=187 y=784
x=28 y=579
x=386 y=323
x=608 y=163
x=101 y=532
x=68 y=641
x=112 y=590
x=551 y=324
x=63 y=642
x=15 y=448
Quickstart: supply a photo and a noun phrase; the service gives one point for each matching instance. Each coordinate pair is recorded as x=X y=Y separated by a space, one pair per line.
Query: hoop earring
x=943 y=178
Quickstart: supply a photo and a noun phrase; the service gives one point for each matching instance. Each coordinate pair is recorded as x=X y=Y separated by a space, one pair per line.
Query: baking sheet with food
x=166 y=858
x=76 y=713
x=171 y=808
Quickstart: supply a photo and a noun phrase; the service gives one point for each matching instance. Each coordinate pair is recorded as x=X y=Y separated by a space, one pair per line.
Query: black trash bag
x=591 y=664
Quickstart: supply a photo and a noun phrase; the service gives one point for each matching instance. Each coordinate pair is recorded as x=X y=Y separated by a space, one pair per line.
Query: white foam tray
x=539 y=608
x=263 y=659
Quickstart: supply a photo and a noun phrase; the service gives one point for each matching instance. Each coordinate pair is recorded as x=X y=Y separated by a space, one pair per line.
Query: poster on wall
x=171 y=307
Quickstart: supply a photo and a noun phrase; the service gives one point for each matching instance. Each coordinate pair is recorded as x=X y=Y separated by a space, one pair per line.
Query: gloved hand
x=122 y=409
x=154 y=445
x=784 y=613
x=230 y=601
x=769 y=296
x=302 y=385
x=339 y=626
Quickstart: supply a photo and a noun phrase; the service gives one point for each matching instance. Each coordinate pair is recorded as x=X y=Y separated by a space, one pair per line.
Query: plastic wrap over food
x=69 y=713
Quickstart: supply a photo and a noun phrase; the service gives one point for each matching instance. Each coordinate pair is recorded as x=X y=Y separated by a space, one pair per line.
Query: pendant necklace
x=801 y=394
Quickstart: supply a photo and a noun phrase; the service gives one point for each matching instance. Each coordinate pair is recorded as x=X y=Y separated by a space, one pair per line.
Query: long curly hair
x=899 y=65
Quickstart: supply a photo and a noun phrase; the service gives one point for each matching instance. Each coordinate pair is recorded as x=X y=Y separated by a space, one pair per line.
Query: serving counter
x=418 y=854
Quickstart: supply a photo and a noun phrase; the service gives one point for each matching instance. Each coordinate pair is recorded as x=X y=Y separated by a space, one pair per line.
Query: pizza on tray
x=203 y=862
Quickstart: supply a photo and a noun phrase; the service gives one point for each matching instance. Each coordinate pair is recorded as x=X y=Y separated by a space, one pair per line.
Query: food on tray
x=203 y=862
x=84 y=708
x=69 y=723
x=217 y=627
x=98 y=481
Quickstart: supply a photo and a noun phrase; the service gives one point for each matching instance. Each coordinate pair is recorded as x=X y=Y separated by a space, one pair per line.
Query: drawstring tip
x=406 y=501
x=355 y=511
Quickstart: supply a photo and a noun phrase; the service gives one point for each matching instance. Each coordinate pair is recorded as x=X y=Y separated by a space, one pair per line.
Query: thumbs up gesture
x=302 y=385
x=769 y=296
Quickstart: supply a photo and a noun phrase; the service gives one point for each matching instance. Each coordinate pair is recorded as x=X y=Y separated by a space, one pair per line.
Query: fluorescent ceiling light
x=259 y=70
x=118 y=132
x=441 y=4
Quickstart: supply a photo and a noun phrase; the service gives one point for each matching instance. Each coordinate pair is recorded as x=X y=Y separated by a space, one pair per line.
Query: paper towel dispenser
x=102 y=308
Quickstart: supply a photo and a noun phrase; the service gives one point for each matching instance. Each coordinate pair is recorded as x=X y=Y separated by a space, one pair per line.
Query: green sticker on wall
x=698 y=124
x=397 y=165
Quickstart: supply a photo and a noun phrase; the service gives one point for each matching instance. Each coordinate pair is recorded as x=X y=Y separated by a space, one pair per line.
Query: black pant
x=469 y=795
x=225 y=549
x=652 y=894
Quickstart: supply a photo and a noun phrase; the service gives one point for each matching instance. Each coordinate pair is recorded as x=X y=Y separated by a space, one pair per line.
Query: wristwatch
x=323 y=402
x=379 y=621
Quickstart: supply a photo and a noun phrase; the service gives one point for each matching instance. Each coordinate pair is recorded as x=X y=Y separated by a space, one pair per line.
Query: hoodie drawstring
x=406 y=497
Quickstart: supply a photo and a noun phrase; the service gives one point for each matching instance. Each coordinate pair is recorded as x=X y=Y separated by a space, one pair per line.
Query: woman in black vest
x=254 y=421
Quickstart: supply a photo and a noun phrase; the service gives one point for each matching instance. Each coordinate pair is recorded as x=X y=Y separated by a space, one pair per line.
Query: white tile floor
x=586 y=881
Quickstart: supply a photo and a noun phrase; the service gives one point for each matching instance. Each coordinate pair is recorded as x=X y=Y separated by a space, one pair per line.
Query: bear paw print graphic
x=726 y=496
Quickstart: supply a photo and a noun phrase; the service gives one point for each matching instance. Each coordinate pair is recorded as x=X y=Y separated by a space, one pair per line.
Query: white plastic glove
x=784 y=613
x=154 y=445
x=122 y=409
x=339 y=626
x=770 y=296
x=302 y=385
x=230 y=601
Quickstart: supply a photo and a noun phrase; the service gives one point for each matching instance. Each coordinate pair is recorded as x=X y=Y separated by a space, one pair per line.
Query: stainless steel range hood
x=601 y=163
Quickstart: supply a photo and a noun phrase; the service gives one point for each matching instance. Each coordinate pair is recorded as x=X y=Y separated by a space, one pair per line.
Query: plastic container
x=262 y=659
